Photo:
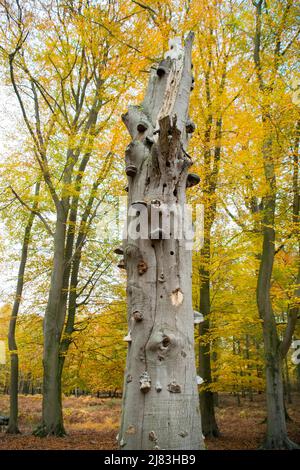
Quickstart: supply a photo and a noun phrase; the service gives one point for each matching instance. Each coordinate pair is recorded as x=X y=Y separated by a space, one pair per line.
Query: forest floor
x=92 y=423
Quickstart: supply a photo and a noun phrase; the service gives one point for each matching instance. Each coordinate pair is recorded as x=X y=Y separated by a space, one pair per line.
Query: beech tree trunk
x=160 y=402
x=276 y=437
x=211 y=174
x=274 y=350
x=52 y=417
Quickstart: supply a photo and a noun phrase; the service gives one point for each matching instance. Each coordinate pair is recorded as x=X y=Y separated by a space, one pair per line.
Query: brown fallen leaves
x=93 y=423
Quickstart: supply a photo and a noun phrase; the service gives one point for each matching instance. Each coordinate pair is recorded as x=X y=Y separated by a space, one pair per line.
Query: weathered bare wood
x=160 y=401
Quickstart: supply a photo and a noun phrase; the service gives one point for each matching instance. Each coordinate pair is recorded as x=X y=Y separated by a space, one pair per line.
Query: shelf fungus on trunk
x=198 y=317
x=121 y=264
x=190 y=126
x=131 y=170
x=158 y=262
x=145 y=382
x=192 y=180
x=128 y=337
x=174 y=387
x=199 y=379
x=193 y=84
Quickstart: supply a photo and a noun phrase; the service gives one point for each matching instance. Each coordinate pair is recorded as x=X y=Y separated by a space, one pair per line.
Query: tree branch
x=35 y=212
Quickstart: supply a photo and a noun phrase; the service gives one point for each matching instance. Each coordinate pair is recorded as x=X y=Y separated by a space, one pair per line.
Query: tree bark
x=276 y=437
x=207 y=402
x=211 y=172
x=160 y=400
x=298 y=376
x=12 y=344
x=74 y=278
x=288 y=394
x=56 y=344
x=274 y=350
x=52 y=417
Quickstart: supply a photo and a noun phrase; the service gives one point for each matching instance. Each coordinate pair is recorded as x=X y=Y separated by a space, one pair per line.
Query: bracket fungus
x=199 y=380
x=121 y=264
x=198 y=317
x=131 y=170
x=128 y=337
x=174 y=387
x=190 y=126
x=192 y=180
x=158 y=386
x=145 y=382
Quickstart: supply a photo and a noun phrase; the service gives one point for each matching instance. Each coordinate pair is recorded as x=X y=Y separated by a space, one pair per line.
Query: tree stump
x=160 y=388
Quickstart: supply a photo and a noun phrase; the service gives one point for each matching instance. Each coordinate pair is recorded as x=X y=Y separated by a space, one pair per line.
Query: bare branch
x=146 y=7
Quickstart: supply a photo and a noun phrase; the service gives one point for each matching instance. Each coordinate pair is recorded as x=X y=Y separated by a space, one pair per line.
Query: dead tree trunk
x=160 y=403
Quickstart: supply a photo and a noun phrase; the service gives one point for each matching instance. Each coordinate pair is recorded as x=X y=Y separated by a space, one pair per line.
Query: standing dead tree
x=160 y=403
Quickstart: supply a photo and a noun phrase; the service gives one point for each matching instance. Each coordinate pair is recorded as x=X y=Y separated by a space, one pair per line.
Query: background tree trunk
x=160 y=402
x=276 y=437
x=207 y=402
x=52 y=417
x=12 y=344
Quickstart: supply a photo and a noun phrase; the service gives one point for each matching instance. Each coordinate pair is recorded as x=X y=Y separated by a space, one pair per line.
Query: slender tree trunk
x=247 y=353
x=209 y=423
x=74 y=278
x=160 y=401
x=12 y=344
x=214 y=357
x=276 y=437
x=69 y=328
x=298 y=376
x=287 y=381
x=274 y=351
